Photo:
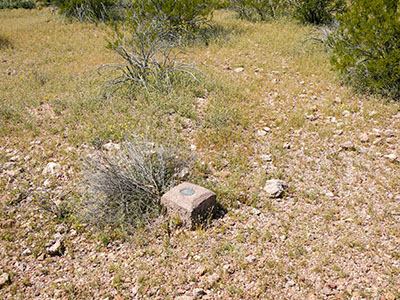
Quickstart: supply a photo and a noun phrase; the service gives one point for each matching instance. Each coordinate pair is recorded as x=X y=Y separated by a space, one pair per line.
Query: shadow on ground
x=4 y=43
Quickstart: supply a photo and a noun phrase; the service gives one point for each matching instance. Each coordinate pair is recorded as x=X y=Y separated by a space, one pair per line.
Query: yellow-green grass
x=49 y=92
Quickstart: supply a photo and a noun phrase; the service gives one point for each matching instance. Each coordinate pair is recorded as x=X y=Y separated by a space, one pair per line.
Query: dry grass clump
x=123 y=187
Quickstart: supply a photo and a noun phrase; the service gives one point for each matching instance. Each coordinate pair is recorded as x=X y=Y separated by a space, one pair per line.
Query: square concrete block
x=193 y=204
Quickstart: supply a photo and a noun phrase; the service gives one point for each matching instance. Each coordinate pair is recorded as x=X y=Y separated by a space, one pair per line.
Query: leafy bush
x=10 y=4
x=221 y=4
x=262 y=10
x=318 y=12
x=366 y=46
x=124 y=187
x=151 y=56
x=88 y=10
x=183 y=16
x=307 y=11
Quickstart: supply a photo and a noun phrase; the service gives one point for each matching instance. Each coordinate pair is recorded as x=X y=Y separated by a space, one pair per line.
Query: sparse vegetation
x=61 y=205
x=268 y=107
x=262 y=10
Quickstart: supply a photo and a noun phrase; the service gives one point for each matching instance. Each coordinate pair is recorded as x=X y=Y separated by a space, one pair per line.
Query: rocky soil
x=325 y=227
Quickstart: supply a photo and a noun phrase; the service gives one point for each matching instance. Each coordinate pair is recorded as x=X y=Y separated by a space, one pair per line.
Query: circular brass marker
x=187 y=192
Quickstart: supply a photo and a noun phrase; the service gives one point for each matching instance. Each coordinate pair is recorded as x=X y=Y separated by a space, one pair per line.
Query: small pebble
x=26 y=252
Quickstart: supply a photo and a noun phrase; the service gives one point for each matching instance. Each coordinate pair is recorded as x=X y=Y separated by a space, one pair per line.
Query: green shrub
x=124 y=187
x=366 y=46
x=89 y=10
x=262 y=10
x=184 y=17
x=221 y=4
x=318 y=12
x=10 y=4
